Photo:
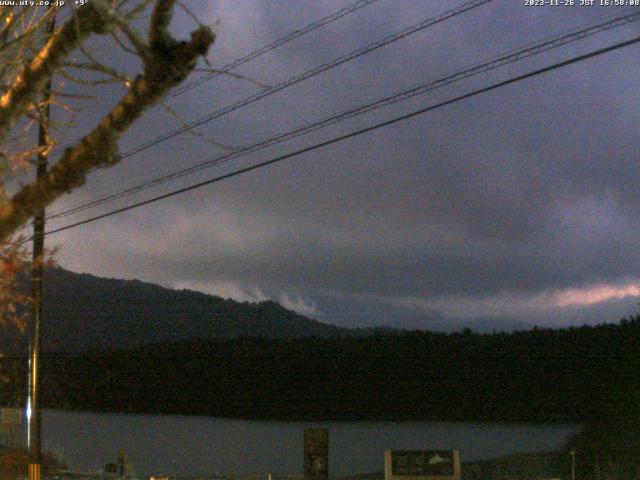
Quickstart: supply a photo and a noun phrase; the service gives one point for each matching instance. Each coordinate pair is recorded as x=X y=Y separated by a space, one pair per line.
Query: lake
x=190 y=445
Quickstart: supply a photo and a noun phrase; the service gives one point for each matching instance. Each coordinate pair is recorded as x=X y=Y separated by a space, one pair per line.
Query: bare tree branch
x=134 y=37
x=160 y=20
x=237 y=76
x=33 y=77
x=135 y=11
x=100 y=68
x=121 y=44
x=185 y=124
x=169 y=62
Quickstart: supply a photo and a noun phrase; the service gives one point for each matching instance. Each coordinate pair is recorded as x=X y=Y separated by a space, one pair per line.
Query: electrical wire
x=272 y=46
x=490 y=64
x=309 y=74
x=470 y=5
x=353 y=134
x=267 y=48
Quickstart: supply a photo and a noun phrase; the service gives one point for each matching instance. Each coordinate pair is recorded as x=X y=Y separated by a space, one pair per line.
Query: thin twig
x=137 y=10
x=188 y=12
x=87 y=83
x=101 y=68
x=75 y=96
x=193 y=131
x=238 y=76
x=116 y=38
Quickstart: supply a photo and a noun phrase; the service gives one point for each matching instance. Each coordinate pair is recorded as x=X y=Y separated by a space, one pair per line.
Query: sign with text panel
x=422 y=465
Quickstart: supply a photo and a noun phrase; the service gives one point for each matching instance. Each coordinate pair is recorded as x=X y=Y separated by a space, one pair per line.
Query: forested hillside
x=536 y=376
x=84 y=312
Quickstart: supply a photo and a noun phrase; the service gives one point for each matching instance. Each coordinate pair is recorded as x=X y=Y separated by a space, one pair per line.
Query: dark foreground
x=535 y=466
x=13 y=465
x=541 y=376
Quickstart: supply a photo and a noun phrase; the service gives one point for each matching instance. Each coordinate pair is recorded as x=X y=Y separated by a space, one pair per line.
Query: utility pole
x=37 y=269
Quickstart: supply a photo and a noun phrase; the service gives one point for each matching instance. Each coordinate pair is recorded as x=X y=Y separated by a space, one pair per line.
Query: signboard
x=316 y=454
x=422 y=465
x=11 y=416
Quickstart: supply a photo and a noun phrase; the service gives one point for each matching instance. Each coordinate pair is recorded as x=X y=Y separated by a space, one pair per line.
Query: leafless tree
x=30 y=54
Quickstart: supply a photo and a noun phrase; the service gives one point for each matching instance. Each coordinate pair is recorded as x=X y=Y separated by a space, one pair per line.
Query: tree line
x=541 y=375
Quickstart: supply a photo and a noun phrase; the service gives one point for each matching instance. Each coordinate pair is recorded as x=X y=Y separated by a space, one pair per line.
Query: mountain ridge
x=84 y=312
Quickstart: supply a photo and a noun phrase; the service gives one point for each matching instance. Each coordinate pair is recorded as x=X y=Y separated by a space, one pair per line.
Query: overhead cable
x=272 y=46
x=309 y=74
x=353 y=134
x=493 y=63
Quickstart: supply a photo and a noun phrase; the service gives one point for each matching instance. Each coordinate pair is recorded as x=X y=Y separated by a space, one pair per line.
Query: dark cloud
x=519 y=193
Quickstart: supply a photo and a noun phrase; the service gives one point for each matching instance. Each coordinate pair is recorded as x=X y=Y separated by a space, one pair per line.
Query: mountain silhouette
x=84 y=312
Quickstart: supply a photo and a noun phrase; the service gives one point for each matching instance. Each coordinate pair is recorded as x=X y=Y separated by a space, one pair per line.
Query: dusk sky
x=521 y=203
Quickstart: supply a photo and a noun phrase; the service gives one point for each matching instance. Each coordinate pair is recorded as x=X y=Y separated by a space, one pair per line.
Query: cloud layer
x=521 y=203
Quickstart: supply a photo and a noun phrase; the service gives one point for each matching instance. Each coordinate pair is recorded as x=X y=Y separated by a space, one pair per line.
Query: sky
x=518 y=204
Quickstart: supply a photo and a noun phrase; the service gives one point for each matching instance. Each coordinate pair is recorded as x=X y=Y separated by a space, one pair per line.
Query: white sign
x=422 y=465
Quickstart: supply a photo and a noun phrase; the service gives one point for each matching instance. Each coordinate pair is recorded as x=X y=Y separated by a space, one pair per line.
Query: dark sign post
x=316 y=454
x=422 y=465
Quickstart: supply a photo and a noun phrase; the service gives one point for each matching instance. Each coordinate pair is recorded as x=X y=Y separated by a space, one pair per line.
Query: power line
x=309 y=74
x=299 y=78
x=272 y=46
x=493 y=63
x=334 y=140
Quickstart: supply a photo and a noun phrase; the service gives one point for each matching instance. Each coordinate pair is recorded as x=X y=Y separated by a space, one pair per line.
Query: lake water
x=185 y=446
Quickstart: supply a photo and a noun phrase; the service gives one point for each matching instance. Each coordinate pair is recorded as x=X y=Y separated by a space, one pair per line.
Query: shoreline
x=318 y=420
